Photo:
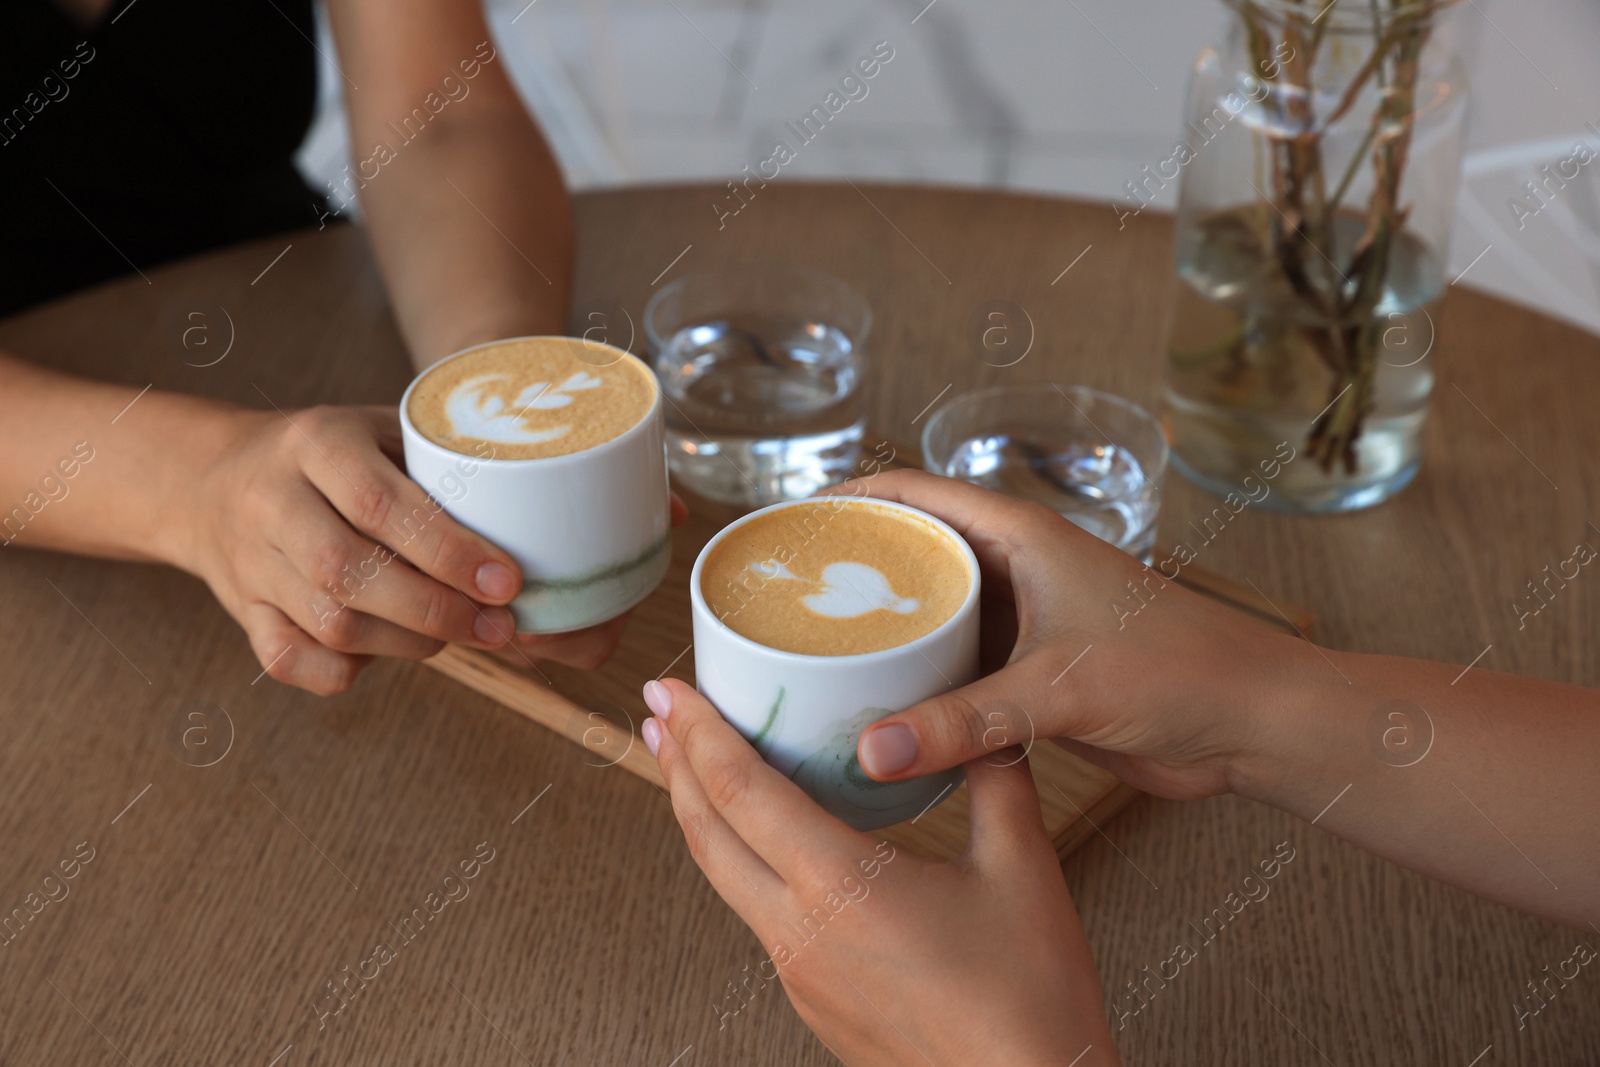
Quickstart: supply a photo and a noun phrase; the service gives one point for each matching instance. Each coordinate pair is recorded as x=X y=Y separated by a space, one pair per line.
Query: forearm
x=95 y=468
x=1486 y=781
x=470 y=220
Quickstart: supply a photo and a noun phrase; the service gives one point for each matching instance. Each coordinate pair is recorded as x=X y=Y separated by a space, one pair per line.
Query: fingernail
x=658 y=698
x=496 y=581
x=494 y=626
x=652 y=735
x=888 y=749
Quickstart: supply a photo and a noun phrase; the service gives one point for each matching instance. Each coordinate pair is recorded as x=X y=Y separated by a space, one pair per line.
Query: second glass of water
x=761 y=367
x=1097 y=459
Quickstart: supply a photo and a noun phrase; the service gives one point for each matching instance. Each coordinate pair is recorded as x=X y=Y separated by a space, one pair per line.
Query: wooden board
x=1075 y=796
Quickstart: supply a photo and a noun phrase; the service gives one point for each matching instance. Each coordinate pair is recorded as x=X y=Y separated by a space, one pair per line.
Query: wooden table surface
x=220 y=901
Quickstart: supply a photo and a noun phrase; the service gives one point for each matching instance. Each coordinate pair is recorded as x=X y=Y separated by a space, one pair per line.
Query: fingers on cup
x=932 y=736
x=734 y=869
x=964 y=724
x=362 y=575
x=336 y=625
x=990 y=522
x=289 y=655
x=374 y=495
x=786 y=828
x=1002 y=530
x=1005 y=818
x=955 y=501
x=385 y=423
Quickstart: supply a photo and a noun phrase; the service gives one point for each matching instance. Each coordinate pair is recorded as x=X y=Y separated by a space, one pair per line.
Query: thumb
x=1003 y=806
x=954 y=727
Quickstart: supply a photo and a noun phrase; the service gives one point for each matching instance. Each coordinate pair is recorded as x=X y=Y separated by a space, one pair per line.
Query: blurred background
x=1058 y=97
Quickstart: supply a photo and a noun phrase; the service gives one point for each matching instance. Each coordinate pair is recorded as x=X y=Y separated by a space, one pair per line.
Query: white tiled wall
x=1056 y=96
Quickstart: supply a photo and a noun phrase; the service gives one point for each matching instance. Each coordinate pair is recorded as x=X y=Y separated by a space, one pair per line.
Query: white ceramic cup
x=590 y=530
x=805 y=713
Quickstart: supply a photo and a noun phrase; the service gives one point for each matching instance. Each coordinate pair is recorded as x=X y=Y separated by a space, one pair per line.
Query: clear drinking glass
x=1095 y=458
x=761 y=367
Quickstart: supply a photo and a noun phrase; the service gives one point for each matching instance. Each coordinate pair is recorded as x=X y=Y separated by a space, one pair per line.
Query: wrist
x=1292 y=699
x=201 y=437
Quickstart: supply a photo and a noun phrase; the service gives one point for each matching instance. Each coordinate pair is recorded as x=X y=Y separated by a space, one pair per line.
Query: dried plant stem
x=1342 y=301
x=1334 y=437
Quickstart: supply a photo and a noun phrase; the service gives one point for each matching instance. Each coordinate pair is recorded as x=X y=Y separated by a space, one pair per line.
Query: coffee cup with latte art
x=815 y=618
x=553 y=448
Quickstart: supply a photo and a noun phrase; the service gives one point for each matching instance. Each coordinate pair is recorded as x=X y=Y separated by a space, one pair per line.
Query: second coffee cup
x=815 y=618
x=552 y=448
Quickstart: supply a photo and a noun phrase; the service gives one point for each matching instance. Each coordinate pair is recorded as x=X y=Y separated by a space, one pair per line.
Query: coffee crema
x=838 y=578
x=531 y=398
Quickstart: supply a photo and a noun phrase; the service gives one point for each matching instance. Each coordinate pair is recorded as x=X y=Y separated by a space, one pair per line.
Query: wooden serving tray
x=589 y=709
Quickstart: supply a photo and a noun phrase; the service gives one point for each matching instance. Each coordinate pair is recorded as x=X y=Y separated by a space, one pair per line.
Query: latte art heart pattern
x=477 y=409
x=851 y=589
x=848 y=590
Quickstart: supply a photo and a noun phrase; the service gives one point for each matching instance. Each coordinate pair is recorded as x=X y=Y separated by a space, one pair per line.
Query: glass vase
x=1317 y=171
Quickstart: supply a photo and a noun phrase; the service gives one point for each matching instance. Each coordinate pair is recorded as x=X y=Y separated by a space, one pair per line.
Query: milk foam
x=476 y=411
x=847 y=590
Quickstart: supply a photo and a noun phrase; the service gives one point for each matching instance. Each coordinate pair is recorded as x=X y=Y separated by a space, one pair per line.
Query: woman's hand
x=313 y=538
x=1165 y=698
x=1184 y=697
x=888 y=957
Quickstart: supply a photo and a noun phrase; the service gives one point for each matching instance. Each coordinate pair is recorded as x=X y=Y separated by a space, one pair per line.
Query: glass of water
x=761 y=367
x=1095 y=458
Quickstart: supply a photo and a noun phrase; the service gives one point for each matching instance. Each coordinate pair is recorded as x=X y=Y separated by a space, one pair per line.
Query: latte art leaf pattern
x=540 y=395
x=476 y=409
x=531 y=398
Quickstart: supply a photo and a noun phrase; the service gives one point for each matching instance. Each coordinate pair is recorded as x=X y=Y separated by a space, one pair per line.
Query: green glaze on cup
x=557 y=605
x=832 y=775
x=764 y=737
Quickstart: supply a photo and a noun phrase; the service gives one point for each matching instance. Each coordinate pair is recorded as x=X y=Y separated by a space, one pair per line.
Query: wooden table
x=221 y=900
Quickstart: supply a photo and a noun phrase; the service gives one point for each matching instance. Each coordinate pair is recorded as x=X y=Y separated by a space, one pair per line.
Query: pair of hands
x=982 y=960
x=974 y=962
x=312 y=537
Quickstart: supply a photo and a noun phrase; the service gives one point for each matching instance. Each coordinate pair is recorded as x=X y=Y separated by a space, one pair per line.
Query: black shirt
x=168 y=129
